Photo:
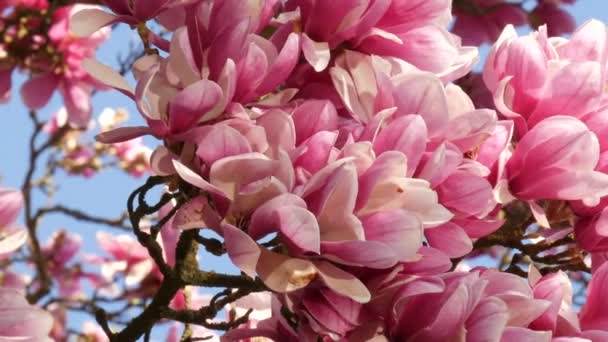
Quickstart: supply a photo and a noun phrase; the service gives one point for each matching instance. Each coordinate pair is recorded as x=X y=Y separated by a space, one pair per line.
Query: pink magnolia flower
x=416 y=32
x=60 y=251
x=534 y=77
x=69 y=77
x=370 y=86
x=184 y=107
x=128 y=259
x=21 y=321
x=81 y=160
x=285 y=274
x=134 y=156
x=481 y=21
x=477 y=306
x=559 y=22
x=413 y=31
x=556 y=160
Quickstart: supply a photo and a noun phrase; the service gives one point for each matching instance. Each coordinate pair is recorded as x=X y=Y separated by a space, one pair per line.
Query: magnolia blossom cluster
x=342 y=155
x=553 y=90
x=80 y=157
x=330 y=148
x=36 y=40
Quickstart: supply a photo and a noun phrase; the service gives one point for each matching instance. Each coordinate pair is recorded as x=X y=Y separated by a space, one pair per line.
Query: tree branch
x=82 y=216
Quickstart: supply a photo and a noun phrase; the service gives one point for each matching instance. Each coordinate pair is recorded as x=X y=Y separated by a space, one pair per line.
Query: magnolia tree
x=341 y=154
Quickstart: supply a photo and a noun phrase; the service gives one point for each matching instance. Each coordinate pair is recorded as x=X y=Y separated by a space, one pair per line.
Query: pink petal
x=169 y=235
x=471 y=129
x=388 y=164
x=429 y=47
x=89 y=20
x=299 y=226
x=593 y=314
x=282 y=66
x=575 y=89
x=181 y=67
x=221 y=141
x=467 y=193
x=372 y=254
x=227 y=45
x=264 y=217
x=13 y=241
x=197 y=213
x=242 y=250
x=423 y=94
x=432 y=262
x=343 y=283
x=336 y=204
x=251 y=70
x=189 y=105
x=279 y=128
x=314 y=116
x=161 y=161
x=517 y=334
x=226 y=173
x=107 y=76
x=406 y=134
x=316 y=53
x=503 y=98
x=11 y=203
x=588 y=43
x=329 y=317
x=314 y=153
x=78 y=105
x=478 y=228
x=284 y=274
x=37 y=91
x=488 y=320
x=398 y=229
x=122 y=134
x=25 y=324
x=450 y=239
x=221 y=199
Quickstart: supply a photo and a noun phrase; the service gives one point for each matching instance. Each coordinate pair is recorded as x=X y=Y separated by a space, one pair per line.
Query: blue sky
x=106 y=193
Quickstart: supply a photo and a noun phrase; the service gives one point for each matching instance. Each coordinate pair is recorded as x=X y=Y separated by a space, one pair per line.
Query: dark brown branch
x=212 y=279
x=213 y=246
x=186 y=252
x=44 y=281
x=82 y=216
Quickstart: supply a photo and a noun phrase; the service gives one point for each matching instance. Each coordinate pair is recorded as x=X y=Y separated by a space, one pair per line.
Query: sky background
x=105 y=194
